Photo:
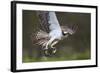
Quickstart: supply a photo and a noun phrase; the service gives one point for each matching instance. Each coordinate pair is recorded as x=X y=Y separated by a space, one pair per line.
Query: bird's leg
x=47 y=45
x=52 y=46
x=54 y=43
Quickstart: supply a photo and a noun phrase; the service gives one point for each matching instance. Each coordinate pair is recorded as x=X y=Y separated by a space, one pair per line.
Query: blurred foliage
x=75 y=47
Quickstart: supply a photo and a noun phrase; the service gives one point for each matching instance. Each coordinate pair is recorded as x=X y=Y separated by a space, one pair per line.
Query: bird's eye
x=64 y=33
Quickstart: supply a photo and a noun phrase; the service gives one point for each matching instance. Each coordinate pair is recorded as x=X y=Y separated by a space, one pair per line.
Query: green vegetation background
x=75 y=47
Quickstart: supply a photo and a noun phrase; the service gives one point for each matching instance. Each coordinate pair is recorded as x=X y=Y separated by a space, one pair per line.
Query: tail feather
x=40 y=37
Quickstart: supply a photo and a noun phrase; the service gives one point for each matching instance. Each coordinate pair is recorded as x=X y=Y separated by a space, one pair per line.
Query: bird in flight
x=50 y=32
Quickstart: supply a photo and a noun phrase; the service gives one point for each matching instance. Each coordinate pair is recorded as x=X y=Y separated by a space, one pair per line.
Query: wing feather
x=43 y=17
x=48 y=21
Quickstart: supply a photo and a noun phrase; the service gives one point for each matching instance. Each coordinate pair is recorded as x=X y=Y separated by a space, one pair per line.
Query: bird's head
x=68 y=31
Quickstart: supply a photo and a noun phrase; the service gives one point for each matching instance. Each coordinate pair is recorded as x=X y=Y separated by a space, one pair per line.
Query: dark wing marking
x=43 y=17
x=40 y=37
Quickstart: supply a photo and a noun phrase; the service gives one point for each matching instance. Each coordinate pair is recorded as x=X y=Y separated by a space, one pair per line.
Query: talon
x=46 y=52
x=54 y=50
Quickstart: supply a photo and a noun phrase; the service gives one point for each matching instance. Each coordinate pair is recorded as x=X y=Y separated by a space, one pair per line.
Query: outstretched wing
x=43 y=17
x=48 y=21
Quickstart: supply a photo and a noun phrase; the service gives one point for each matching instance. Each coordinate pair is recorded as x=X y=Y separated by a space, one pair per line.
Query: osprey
x=51 y=32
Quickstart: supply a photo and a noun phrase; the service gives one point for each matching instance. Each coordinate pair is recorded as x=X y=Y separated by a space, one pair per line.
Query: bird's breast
x=55 y=34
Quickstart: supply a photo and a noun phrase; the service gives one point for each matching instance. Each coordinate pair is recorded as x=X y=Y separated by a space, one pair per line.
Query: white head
x=68 y=31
